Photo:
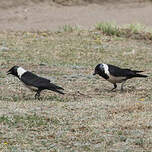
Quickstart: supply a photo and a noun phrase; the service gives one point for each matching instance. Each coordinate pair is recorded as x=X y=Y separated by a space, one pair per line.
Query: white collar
x=20 y=71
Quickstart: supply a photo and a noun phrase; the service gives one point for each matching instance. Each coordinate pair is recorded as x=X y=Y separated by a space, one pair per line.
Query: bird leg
x=115 y=86
x=122 y=85
x=37 y=95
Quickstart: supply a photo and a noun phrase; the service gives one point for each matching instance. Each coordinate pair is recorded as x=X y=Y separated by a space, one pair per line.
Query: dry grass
x=89 y=117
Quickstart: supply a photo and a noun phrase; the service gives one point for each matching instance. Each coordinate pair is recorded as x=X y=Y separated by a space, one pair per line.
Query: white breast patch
x=114 y=79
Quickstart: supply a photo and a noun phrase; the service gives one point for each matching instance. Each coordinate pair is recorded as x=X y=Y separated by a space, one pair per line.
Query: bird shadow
x=126 y=90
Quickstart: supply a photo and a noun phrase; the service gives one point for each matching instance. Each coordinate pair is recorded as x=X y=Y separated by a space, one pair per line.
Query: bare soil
x=40 y=15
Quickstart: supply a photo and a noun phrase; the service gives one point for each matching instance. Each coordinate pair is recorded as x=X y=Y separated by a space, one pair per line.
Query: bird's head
x=13 y=71
x=98 y=69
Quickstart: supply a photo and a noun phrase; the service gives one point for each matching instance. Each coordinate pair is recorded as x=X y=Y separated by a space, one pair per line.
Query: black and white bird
x=34 y=82
x=115 y=74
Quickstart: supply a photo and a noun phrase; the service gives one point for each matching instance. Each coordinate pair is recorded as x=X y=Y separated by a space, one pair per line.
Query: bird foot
x=37 y=96
x=113 y=90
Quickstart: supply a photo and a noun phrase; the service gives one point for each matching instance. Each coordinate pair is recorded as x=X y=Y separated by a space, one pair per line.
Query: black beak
x=8 y=72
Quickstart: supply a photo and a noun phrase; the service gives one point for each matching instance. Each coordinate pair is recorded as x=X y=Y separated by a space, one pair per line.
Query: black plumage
x=116 y=74
x=34 y=82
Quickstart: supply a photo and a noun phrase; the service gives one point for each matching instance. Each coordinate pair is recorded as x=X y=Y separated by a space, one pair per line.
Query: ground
x=89 y=117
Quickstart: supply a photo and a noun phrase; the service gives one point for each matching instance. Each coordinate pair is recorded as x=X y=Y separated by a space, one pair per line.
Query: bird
x=115 y=74
x=33 y=82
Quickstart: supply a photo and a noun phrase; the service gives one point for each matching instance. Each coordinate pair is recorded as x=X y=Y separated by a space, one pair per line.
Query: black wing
x=33 y=80
x=118 y=72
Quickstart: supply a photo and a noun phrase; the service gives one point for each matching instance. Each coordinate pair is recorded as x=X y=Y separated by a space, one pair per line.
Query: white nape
x=20 y=71
x=106 y=68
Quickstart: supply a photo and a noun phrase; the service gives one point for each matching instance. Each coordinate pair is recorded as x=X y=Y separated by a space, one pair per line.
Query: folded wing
x=33 y=80
x=42 y=83
x=118 y=72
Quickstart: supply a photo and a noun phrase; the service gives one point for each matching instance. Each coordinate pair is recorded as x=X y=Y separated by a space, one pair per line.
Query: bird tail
x=55 y=88
x=141 y=75
x=58 y=91
x=137 y=71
